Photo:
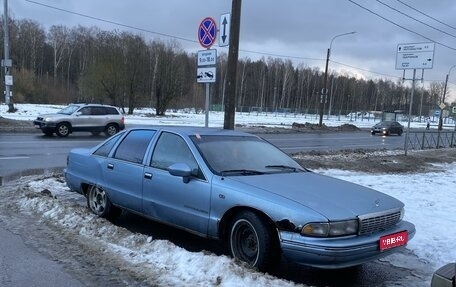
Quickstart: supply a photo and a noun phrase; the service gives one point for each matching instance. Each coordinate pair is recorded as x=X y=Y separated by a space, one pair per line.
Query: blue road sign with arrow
x=224 y=35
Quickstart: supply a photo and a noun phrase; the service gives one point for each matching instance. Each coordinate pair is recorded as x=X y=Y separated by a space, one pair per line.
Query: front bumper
x=44 y=126
x=339 y=252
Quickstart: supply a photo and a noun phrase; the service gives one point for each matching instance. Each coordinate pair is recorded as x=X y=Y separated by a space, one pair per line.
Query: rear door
x=123 y=172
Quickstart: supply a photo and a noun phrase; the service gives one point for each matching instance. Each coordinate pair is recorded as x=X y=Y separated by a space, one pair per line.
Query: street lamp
x=443 y=98
x=324 y=91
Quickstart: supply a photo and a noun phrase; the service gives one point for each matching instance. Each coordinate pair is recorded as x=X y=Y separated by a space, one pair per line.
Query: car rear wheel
x=99 y=203
x=111 y=130
x=63 y=130
x=253 y=241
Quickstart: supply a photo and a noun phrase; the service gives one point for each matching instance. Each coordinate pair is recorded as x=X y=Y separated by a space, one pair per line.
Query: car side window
x=111 y=111
x=85 y=111
x=171 y=149
x=105 y=149
x=98 y=111
x=133 y=147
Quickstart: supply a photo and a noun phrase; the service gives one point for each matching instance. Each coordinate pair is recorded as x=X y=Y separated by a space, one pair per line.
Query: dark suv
x=92 y=118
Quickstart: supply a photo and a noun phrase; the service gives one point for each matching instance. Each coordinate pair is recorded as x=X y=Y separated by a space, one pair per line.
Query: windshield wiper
x=283 y=167
x=241 y=172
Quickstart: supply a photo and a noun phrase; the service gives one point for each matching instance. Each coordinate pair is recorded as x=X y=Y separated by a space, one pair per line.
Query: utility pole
x=442 y=104
x=7 y=63
x=233 y=52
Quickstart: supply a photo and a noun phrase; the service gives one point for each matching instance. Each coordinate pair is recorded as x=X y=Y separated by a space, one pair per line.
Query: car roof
x=92 y=105
x=190 y=131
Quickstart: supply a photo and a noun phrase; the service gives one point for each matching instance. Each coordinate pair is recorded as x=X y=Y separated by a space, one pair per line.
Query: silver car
x=240 y=189
x=92 y=118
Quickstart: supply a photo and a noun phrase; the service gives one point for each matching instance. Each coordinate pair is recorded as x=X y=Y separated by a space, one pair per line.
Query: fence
x=431 y=139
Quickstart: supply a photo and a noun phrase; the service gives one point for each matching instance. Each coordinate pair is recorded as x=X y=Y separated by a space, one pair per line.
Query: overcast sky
x=299 y=29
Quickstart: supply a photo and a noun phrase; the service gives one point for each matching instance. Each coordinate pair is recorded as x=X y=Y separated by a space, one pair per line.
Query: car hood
x=51 y=115
x=333 y=198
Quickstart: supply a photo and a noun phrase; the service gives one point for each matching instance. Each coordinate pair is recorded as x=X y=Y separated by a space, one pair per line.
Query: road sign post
x=207 y=59
x=411 y=57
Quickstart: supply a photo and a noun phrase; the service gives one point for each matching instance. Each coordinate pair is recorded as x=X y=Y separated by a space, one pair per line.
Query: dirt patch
x=383 y=161
x=8 y=125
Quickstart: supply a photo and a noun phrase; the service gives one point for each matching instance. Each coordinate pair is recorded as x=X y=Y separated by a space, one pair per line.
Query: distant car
x=92 y=118
x=387 y=128
x=238 y=188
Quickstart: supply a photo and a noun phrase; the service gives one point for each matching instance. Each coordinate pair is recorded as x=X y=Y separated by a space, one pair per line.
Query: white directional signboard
x=224 y=35
x=207 y=57
x=415 y=56
x=205 y=75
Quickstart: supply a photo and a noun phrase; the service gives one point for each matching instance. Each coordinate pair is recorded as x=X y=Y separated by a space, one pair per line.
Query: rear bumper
x=342 y=252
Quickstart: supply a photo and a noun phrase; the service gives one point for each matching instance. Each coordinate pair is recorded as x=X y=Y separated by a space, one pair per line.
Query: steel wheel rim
x=97 y=200
x=244 y=242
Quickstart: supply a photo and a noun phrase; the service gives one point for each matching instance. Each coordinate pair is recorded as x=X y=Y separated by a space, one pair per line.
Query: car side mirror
x=181 y=169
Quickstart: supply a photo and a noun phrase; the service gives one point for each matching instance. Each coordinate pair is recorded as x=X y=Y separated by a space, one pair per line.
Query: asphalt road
x=21 y=153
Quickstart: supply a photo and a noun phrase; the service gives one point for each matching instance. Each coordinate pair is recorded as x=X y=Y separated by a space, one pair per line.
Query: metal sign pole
x=410 y=112
x=206 y=121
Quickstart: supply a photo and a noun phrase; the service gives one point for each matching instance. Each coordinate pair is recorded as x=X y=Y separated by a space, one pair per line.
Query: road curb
x=28 y=172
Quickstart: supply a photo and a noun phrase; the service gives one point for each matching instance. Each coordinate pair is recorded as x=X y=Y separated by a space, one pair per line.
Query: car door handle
x=110 y=166
x=147 y=175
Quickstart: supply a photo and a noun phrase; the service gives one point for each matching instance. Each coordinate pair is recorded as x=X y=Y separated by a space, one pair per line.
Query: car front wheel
x=63 y=130
x=111 y=130
x=253 y=241
x=99 y=203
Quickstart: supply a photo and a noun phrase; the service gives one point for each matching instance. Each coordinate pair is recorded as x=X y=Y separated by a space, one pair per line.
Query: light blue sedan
x=242 y=190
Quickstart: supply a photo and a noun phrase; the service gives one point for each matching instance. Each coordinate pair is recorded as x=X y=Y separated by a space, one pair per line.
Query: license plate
x=393 y=240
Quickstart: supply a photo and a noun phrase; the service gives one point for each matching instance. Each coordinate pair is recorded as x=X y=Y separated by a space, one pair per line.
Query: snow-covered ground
x=430 y=200
x=189 y=117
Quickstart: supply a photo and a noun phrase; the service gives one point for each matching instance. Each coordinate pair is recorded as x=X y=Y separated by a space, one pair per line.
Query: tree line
x=86 y=64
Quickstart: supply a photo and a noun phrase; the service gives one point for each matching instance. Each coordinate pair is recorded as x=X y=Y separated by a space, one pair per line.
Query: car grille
x=378 y=222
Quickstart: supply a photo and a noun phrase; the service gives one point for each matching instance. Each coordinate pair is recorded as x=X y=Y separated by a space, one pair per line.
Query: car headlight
x=47 y=119
x=330 y=229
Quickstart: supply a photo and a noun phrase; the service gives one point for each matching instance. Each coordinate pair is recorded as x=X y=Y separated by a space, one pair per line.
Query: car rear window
x=111 y=111
x=133 y=147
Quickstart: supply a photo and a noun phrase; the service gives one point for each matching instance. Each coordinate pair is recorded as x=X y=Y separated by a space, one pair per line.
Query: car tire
x=62 y=130
x=99 y=203
x=372 y=133
x=111 y=129
x=399 y=133
x=253 y=241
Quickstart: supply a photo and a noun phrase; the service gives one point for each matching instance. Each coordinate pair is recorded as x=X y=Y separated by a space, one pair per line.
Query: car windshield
x=243 y=155
x=68 y=110
x=384 y=124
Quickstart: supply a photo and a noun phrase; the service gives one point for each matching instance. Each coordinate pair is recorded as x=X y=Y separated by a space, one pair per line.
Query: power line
x=437 y=20
x=400 y=26
x=419 y=21
x=112 y=22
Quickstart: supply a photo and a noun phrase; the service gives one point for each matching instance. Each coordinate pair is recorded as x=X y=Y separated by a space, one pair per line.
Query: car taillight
x=123 y=120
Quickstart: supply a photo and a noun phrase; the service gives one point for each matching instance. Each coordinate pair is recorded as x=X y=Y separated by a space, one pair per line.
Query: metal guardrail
x=431 y=140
